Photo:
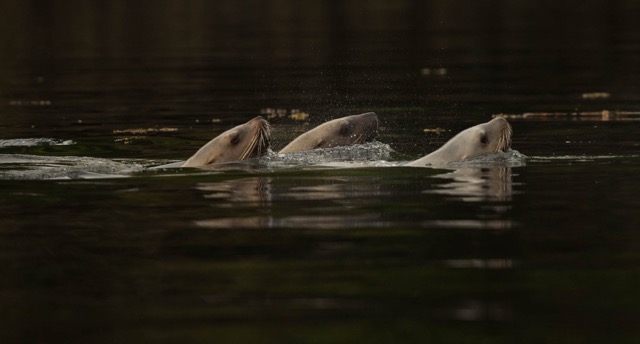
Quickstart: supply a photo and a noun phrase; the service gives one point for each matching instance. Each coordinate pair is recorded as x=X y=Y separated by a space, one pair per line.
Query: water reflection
x=477 y=184
x=492 y=186
x=239 y=194
x=479 y=310
x=478 y=263
x=500 y=224
x=254 y=222
x=320 y=203
x=357 y=201
x=244 y=192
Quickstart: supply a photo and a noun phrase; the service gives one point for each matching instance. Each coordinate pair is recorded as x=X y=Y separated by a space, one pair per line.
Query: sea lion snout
x=371 y=123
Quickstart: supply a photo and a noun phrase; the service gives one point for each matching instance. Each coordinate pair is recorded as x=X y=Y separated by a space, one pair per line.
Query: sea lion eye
x=345 y=129
x=484 y=139
x=235 y=139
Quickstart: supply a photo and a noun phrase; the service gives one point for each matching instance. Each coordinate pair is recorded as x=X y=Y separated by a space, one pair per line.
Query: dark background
x=149 y=61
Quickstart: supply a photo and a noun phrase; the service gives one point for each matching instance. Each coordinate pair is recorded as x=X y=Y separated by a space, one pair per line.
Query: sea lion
x=245 y=141
x=489 y=137
x=338 y=132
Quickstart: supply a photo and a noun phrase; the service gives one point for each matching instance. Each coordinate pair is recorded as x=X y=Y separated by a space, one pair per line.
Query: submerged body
x=338 y=132
x=245 y=141
x=489 y=137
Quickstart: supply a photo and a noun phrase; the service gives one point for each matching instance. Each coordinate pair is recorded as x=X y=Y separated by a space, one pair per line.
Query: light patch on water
x=39 y=141
x=300 y=221
x=470 y=224
x=479 y=310
x=30 y=102
x=144 y=131
x=580 y=158
x=478 y=263
x=596 y=116
x=294 y=114
x=317 y=303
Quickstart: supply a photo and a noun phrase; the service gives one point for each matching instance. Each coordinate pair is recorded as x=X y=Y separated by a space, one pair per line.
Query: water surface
x=341 y=246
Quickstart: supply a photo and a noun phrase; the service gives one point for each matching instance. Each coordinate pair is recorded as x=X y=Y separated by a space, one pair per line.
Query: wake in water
x=372 y=154
x=33 y=167
x=510 y=158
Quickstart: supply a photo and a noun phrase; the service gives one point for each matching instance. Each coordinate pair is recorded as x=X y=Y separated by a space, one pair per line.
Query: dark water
x=545 y=252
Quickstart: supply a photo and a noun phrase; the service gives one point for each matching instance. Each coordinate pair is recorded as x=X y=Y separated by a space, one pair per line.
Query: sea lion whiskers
x=265 y=137
x=504 y=141
x=249 y=148
x=361 y=138
x=258 y=141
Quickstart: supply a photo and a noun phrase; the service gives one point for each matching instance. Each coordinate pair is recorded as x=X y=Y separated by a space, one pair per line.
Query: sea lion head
x=343 y=131
x=355 y=129
x=248 y=140
x=490 y=137
x=485 y=138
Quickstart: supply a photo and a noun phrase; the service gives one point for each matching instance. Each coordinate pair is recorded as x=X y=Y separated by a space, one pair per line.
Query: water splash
x=364 y=154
